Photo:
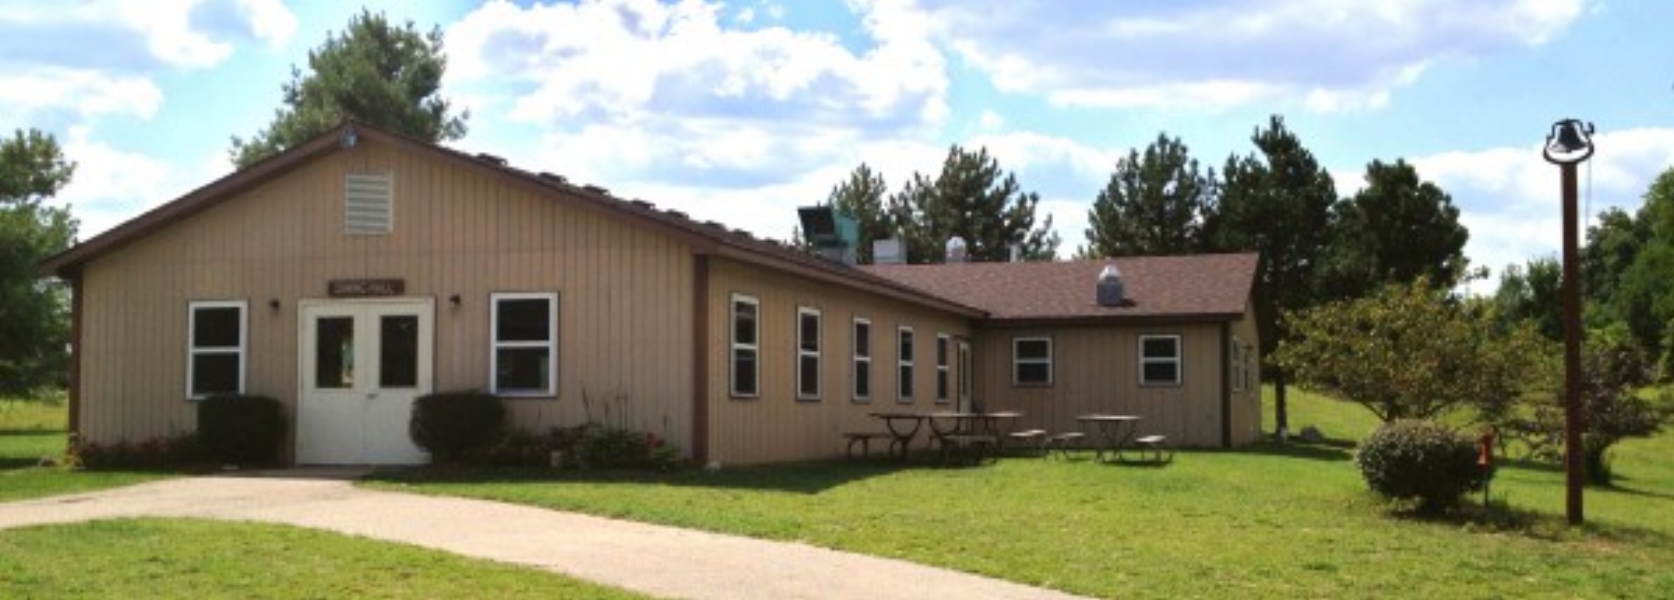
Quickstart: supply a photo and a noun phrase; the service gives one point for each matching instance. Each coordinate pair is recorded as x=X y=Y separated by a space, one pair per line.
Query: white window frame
x=550 y=343
x=192 y=351
x=904 y=371
x=802 y=352
x=944 y=348
x=735 y=346
x=1178 y=360
x=862 y=356
x=1018 y=360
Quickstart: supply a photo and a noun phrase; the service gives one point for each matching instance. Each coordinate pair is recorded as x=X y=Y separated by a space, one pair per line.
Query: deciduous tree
x=375 y=72
x=1531 y=294
x=1408 y=351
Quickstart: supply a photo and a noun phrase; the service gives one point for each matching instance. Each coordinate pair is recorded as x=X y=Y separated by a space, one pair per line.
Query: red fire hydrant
x=1485 y=461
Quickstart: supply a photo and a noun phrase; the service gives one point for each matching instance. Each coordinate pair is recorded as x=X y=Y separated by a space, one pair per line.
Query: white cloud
x=1509 y=197
x=1323 y=55
x=642 y=93
x=89 y=94
x=112 y=185
x=270 y=21
x=177 y=33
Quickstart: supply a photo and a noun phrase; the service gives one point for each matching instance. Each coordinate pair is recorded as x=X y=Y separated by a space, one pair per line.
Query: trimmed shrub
x=449 y=424
x=241 y=429
x=1420 y=460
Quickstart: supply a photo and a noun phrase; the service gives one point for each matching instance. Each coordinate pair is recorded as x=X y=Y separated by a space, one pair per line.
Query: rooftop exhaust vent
x=956 y=251
x=833 y=234
x=1111 y=290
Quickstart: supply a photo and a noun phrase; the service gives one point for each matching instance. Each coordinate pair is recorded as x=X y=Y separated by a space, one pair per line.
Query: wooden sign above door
x=364 y=288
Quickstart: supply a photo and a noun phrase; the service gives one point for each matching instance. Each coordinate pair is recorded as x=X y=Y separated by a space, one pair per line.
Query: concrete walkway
x=660 y=561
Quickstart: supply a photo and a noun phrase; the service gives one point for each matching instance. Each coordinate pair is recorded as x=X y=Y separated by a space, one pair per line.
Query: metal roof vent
x=368 y=203
x=832 y=233
x=1111 y=291
x=887 y=252
x=956 y=249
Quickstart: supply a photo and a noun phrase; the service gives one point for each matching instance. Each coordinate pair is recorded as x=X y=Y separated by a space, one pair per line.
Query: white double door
x=362 y=364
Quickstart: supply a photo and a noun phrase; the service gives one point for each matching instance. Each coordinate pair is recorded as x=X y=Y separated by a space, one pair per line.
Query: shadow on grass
x=9 y=463
x=1329 y=450
x=1618 y=488
x=31 y=432
x=798 y=478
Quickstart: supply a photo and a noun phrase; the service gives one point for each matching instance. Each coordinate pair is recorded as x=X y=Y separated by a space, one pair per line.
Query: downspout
x=1226 y=384
x=700 y=358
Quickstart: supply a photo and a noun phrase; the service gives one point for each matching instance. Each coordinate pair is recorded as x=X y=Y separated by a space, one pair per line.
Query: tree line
x=1278 y=201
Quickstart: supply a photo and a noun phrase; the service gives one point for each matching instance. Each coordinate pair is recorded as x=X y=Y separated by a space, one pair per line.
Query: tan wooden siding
x=625 y=292
x=1096 y=370
x=775 y=426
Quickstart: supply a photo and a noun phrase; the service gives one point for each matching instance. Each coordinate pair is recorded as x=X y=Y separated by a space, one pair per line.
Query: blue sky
x=741 y=111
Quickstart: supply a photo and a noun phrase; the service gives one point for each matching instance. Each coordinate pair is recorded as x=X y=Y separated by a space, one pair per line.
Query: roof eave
x=1002 y=322
x=71 y=259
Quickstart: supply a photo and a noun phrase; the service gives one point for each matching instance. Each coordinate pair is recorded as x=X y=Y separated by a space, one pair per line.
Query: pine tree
x=862 y=196
x=383 y=75
x=1397 y=229
x=973 y=199
x=1157 y=203
x=34 y=314
x=1278 y=204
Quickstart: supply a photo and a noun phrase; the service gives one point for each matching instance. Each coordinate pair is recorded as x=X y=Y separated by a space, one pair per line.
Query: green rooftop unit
x=833 y=235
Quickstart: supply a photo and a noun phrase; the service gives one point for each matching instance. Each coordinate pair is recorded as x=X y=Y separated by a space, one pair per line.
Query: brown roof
x=1207 y=286
x=707 y=238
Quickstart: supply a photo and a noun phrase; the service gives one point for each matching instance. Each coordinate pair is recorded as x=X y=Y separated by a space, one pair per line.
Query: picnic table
x=954 y=433
x=903 y=427
x=1111 y=433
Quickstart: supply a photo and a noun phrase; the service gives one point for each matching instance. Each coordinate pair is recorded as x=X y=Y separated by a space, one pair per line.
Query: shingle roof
x=1207 y=286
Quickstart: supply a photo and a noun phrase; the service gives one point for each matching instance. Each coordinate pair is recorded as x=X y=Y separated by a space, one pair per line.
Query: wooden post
x=1574 y=477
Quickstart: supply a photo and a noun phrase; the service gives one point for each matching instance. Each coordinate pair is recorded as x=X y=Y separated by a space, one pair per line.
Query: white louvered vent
x=369 y=204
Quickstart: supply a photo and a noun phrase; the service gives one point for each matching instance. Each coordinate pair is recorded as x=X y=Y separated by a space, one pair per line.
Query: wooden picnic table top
x=1107 y=418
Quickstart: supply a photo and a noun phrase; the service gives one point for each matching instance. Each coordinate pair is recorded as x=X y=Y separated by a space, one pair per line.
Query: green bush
x=449 y=424
x=241 y=429
x=595 y=446
x=1420 y=460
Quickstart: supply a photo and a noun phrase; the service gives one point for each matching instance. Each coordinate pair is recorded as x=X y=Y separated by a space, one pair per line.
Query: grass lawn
x=1269 y=521
x=30 y=430
x=173 y=558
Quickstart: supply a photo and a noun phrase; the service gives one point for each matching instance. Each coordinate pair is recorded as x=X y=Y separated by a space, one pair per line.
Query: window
x=904 y=365
x=745 y=346
x=524 y=357
x=807 y=353
x=1031 y=361
x=862 y=360
x=368 y=203
x=215 y=361
x=941 y=367
x=1159 y=360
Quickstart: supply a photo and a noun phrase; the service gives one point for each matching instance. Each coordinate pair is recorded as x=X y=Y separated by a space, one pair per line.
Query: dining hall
x=362 y=269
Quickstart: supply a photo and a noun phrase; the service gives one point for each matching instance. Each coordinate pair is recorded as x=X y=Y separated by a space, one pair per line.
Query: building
x=361 y=269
